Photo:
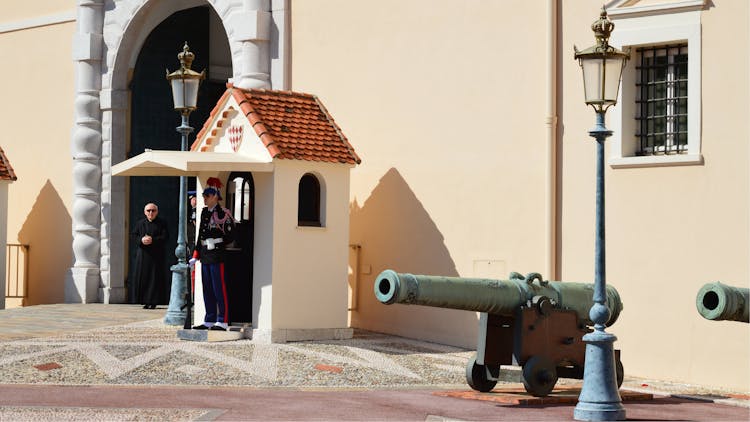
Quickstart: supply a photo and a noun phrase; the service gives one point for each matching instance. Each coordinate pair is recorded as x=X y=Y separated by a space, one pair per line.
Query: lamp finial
x=186 y=56
x=602 y=27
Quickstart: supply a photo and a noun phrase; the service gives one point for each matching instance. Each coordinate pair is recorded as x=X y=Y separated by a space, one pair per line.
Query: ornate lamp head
x=185 y=82
x=602 y=66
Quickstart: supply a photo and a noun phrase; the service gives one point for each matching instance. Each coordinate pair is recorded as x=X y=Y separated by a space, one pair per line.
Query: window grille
x=662 y=100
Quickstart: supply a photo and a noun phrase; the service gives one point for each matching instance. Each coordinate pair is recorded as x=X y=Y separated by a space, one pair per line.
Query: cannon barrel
x=716 y=301
x=498 y=297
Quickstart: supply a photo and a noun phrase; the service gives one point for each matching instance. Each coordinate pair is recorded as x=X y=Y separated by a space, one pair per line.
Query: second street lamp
x=602 y=67
x=185 y=83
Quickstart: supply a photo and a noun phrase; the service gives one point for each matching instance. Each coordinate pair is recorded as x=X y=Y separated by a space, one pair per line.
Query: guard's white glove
x=192 y=262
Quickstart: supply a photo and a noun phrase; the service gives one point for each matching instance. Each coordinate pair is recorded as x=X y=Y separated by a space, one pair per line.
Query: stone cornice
x=54 y=19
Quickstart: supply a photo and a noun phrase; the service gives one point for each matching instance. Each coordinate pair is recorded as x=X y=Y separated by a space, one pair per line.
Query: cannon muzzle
x=497 y=297
x=717 y=302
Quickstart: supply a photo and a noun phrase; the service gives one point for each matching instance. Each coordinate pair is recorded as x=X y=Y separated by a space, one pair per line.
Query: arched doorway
x=152 y=118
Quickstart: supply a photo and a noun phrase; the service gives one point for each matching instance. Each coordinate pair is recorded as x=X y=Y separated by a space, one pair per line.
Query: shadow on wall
x=48 y=232
x=396 y=232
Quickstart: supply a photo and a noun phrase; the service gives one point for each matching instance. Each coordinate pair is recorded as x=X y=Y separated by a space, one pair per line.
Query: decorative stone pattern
x=149 y=352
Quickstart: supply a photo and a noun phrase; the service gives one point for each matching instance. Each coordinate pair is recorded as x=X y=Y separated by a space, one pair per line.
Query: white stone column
x=251 y=27
x=83 y=282
x=280 y=45
x=114 y=105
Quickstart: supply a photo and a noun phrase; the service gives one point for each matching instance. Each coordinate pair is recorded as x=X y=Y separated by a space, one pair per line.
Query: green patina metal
x=719 y=302
x=525 y=320
x=497 y=297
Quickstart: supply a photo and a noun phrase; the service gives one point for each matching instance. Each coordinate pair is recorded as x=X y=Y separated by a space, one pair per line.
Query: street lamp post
x=602 y=67
x=185 y=83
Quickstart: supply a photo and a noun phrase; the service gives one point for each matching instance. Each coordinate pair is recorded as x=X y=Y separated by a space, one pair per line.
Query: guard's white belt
x=212 y=241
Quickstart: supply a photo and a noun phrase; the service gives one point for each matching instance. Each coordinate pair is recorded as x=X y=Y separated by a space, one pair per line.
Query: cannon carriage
x=524 y=321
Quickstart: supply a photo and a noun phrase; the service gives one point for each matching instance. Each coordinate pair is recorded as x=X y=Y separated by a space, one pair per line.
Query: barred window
x=662 y=100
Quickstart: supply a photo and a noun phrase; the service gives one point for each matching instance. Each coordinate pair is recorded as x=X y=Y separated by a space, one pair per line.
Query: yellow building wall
x=15 y=11
x=447 y=112
x=669 y=230
x=309 y=268
x=37 y=116
x=445 y=103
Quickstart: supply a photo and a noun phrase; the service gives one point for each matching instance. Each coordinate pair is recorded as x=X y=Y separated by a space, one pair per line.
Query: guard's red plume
x=214 y=182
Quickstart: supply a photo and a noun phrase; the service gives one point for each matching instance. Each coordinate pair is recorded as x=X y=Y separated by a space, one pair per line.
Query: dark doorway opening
x=239 y=259
x=153 y=119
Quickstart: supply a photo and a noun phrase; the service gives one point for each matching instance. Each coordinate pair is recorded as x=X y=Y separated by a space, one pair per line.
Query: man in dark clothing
x=216 y=230
x=191 y=222
x=148 y=278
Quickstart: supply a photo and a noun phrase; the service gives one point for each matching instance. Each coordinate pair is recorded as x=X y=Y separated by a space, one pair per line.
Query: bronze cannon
x=524 y=321
x=716 y=301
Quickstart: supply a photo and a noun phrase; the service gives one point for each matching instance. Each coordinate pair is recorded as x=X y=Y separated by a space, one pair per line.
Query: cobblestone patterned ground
x=150 y=353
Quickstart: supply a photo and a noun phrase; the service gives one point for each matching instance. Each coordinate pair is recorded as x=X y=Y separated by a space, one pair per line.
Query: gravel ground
x=40 y=414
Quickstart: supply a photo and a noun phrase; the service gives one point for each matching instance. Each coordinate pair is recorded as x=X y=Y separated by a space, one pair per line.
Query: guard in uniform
x=216 y=230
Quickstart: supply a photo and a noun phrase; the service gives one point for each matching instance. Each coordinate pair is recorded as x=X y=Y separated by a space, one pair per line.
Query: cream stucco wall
x=36 y=117
x=263 y=251
x=669 y=229
x=309 y=267
x=18 y=11
x=445 y=103
x=439 y=102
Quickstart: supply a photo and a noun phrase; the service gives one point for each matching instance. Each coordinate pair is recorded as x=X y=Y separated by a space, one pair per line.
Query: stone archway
x=153 y=121
x=106 y=46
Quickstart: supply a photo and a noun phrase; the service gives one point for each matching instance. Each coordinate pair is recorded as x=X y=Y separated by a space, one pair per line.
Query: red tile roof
x=6 y=171
x=292 y=125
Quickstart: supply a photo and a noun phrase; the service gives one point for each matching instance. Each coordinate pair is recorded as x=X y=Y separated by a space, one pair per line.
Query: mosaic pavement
x=149 y=352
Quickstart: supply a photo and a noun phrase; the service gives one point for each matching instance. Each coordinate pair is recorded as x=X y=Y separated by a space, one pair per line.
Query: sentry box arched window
x=308 y=205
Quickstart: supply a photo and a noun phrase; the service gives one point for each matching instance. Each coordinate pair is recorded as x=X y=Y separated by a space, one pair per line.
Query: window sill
x=656 y=161
x=311 y=228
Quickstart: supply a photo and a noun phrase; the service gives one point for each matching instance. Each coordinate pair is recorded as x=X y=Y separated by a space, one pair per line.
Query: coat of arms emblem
x=235 y=136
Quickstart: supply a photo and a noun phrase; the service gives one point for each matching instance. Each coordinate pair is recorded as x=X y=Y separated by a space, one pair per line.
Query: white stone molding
x=280 y=50
x=86 y=147
x=250 y=27
x=623 y=8
x=36 y=22
x=656 y=29
x=106 y=45
x=114 y=104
